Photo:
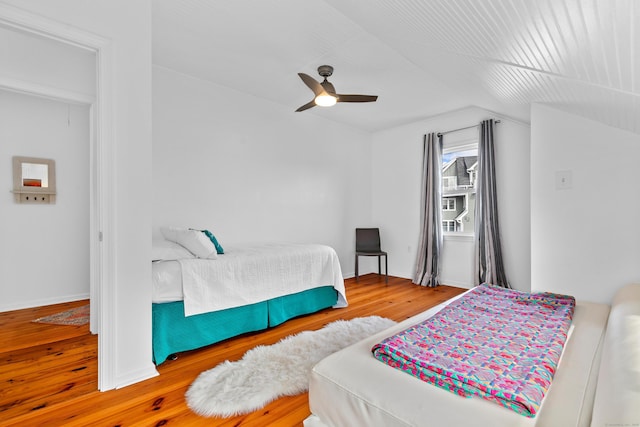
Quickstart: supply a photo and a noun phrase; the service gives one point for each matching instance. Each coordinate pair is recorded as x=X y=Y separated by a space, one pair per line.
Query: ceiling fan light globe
x=325 y=100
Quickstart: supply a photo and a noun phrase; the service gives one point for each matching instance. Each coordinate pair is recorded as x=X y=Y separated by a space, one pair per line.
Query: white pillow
x=165 y=250
x=195 y=241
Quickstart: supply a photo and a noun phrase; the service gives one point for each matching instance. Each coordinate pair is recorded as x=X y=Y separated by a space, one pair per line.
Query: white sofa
x=597 y=383
x=617 y=398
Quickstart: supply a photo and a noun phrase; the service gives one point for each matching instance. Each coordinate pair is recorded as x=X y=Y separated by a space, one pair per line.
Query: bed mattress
x=166 y=278
x=353 y=388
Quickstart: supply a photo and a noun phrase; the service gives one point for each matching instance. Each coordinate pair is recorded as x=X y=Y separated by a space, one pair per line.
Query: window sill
x=458 y=237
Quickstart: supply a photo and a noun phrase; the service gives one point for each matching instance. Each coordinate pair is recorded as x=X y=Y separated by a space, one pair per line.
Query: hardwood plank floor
x=42 y=365
x=33 y=395
x=18 y=332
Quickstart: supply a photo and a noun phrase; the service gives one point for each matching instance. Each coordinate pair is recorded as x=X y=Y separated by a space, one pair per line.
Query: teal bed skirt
x=173 y=332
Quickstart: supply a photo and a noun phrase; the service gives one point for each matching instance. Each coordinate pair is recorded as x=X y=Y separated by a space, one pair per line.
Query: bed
x=198 y=301
x=353 y=388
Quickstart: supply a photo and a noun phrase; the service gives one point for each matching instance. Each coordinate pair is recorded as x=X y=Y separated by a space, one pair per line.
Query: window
x=448 y=225
x=448 y=204
x=449 y=182
x=459 y=171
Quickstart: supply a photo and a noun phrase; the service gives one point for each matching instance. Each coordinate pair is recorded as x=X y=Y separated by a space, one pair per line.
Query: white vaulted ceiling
x=421 y=57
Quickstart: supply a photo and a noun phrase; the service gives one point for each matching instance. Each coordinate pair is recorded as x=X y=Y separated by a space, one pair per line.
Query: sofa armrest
x=617 y=399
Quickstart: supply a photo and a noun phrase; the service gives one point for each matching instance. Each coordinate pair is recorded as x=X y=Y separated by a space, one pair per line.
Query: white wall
x=31 y=59
x=45 y=248
x=127 y=25
x=585 y=239
x=254 y=171
x=397 y=167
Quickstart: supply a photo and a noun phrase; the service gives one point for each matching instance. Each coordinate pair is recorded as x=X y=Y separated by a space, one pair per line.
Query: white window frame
x=448 y=222
x=446 y=204
x=447 y=180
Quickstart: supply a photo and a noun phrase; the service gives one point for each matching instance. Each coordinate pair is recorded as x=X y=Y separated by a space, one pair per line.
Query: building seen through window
x=459 y=172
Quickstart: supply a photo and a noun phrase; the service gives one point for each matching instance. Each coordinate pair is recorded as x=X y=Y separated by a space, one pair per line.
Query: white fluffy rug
x=267 y=372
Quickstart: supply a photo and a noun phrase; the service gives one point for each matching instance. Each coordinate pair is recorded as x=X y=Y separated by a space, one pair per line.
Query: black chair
x=368 y=244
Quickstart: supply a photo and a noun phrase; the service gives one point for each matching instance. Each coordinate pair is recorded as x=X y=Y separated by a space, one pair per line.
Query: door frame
x=102 y=170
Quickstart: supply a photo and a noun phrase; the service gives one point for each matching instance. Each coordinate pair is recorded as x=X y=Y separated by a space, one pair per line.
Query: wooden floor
x=49 y=373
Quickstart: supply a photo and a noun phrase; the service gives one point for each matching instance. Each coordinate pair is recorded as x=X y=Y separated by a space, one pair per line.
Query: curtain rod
x=459 y=129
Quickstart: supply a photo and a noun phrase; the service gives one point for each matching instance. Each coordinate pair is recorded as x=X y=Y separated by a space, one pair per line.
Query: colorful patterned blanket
x=500 y=344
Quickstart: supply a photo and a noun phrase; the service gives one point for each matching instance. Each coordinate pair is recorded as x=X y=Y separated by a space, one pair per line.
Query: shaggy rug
x=267 y=372
x=74 y=317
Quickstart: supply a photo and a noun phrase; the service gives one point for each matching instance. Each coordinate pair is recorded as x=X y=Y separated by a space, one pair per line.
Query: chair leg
x=379 y=271
x=386 y=270
x=356 y=268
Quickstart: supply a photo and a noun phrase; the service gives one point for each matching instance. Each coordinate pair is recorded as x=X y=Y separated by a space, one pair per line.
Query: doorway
x=101 y=238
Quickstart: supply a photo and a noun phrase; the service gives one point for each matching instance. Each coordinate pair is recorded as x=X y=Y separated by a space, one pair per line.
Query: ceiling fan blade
x=357 y=98
x=328 y=87
x=312 y=83
x=308 y=105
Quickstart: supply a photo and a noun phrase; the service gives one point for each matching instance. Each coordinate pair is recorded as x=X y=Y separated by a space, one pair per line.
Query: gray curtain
x=488 y=258
x=428 y=262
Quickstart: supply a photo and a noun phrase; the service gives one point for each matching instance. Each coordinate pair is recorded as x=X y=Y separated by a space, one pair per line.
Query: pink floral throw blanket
x=500 y=344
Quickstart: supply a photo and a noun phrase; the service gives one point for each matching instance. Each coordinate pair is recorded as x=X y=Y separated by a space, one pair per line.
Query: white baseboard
x=457 y=284
x=42 y=301
x=352 y=275
x=136 y=376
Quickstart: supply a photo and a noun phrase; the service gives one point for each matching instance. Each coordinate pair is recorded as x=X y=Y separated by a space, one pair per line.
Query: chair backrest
x=367 y=240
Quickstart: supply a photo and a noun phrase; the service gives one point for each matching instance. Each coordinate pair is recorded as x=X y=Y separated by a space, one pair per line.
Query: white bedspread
x=257 y=273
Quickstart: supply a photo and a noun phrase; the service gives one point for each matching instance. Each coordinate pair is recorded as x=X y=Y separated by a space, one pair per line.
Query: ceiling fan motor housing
x=325 y=70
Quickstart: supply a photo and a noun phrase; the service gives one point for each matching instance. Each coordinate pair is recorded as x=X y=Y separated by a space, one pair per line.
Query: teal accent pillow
x=213 y=239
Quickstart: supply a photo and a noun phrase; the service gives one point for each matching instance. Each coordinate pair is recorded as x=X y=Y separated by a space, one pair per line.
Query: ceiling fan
x=325 y=93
